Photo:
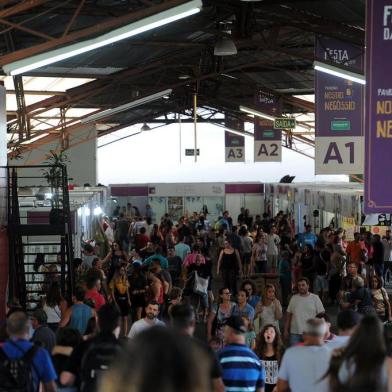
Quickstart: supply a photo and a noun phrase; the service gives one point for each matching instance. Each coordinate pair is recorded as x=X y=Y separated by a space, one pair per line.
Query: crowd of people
x=135 y=309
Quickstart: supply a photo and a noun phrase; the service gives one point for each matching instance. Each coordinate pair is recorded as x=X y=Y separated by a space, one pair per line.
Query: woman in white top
x=363 y=365
x=268 y=311
x=54 y=306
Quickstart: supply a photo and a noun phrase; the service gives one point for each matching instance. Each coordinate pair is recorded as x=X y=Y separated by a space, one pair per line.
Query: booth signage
x=190 y=152
x=285 y=123
x=234 y=144
x=378 y=111
x=339 y=111
x=267 y=142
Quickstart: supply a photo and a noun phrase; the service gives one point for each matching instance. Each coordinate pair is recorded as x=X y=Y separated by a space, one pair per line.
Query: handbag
x=200 y=285
x=387 y=315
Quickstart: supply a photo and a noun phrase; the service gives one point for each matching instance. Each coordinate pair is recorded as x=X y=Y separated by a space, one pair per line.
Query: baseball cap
x=236 y=323
x=137 y=262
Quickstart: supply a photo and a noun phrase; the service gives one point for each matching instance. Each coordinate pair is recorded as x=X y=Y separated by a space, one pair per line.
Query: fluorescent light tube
x=123 y=108
x=235 y=132
x=339 y=72
x=130 y=30
x=256 y=113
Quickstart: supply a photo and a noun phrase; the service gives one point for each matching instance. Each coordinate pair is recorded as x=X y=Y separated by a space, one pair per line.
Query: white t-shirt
x=303 y=367
x=302 y=309
x=273 y=241
x=338 y=342
x=141 y=325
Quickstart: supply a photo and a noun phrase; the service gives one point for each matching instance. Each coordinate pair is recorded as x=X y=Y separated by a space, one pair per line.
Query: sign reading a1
x=284 y=123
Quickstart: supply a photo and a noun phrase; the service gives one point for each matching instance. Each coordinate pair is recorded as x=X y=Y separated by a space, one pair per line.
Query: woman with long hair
x=258 y=261
x=116 y=257
x=54 y=305
x=220 y=312
x=269 y=311
x=363 y=365
x=159 y=359
x=119 y=292
x=269 y=348
x=380 y=299
x=229 y=263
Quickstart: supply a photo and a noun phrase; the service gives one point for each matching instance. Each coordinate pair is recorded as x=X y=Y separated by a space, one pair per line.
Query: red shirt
x=96 y=297
x=141 y=241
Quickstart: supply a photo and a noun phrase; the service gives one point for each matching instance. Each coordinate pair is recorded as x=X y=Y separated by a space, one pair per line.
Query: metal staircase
x=50 y=236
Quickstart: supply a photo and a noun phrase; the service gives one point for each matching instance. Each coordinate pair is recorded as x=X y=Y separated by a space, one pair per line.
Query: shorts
x=245 y=258
x=122 y=302
x=320 y=283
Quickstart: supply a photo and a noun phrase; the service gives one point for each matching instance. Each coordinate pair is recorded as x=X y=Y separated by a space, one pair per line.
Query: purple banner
x=268 y=103
x=378 y=135
x=339 y=111
x=234 y=144
x=268 y=141
x=264 y=130
x=339 y=102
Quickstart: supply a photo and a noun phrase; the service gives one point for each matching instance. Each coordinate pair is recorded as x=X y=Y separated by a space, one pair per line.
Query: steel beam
x=94 y=30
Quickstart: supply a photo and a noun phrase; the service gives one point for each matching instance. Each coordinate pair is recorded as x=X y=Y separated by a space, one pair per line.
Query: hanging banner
x=378 y=135
x=234 y=144
x=268 y=103
x=268 y=142
x=339 y=111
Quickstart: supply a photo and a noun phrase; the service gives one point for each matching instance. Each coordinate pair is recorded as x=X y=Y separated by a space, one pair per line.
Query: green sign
x=340 y=125
x=268 y=134
x=190 y=152
x=284 y=123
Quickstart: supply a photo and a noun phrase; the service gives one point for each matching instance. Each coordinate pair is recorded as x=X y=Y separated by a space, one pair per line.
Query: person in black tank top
x=229 y=263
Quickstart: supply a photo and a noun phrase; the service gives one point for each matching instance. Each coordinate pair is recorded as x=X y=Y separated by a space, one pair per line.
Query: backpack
x=16 y=375
x=95 y=362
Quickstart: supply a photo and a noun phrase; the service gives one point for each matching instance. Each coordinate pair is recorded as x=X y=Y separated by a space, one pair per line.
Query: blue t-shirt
x=182 y=250
x=284 y=270
x=247 y=311
x=241 y=368
x=308 y=239
x=254 y=300
x=43 y=369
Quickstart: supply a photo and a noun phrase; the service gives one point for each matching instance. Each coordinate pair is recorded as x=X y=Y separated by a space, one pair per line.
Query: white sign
x=268 y=151
x=340 y=155
x=235 y=154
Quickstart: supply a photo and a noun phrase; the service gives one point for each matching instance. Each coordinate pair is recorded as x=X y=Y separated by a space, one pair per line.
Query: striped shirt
x=241 y=369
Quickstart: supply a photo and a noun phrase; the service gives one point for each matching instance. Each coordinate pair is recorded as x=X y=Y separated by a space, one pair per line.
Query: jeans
x=379 y=269
x=295 y=339
x=229 y=277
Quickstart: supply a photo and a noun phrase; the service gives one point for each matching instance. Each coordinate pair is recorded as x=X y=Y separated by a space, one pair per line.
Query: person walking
x=302 y=307
x=363 y=365
x=230 y=264
x=30 y=363
x=149 y=321
x=304 y=366
x=241 y=368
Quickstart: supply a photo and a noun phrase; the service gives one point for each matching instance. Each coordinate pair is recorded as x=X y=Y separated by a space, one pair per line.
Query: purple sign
x=234 y=144
x=264 y=130
x=378 y=135
x=339 y=101
x=268 y=141
x=268 y=103
x=339 y=108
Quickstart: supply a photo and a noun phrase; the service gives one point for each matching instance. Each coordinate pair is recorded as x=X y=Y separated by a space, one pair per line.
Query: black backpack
x=95 y=362
x=16 y=375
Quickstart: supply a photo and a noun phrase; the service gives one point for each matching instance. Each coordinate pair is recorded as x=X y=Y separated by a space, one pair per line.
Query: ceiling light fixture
x=130 y=30
x=225 y=47
x=145 y=127
x=256 y=113
x=339 y=72
x=127 y=106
